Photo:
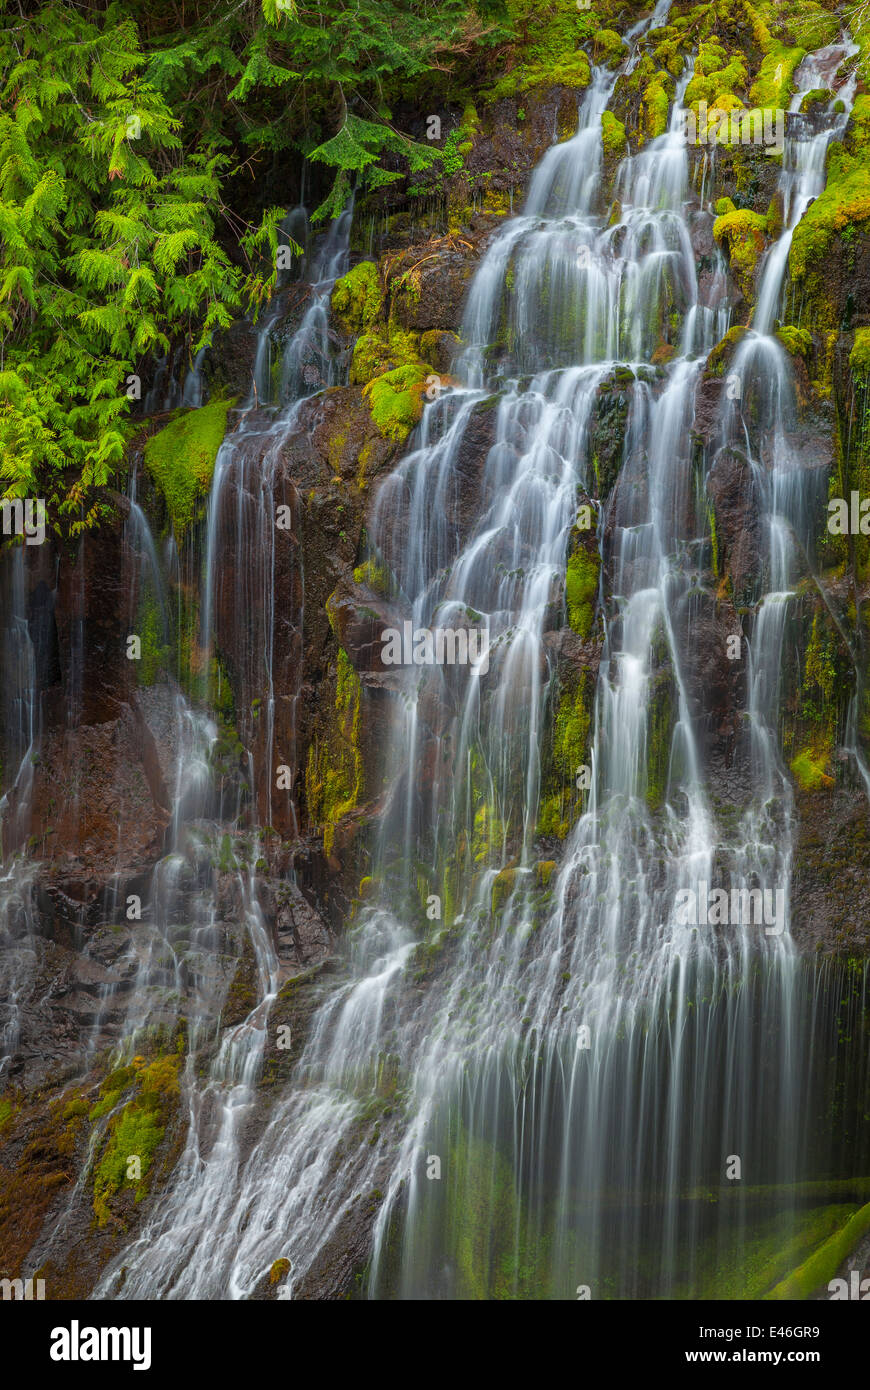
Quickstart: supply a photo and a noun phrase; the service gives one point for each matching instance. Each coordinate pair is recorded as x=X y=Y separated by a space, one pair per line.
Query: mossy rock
x=377 y=353
x=744 y=234
x=612 y=134
x=859 y=357
x=544 y=872
x=817 y=97
x=842 y=206
x=818 y=1270
x=280 y=1269
x=135 y=1133
x=796 y=341
x=608 y=48
x=502 y=888
x=655 y=106
x=723 y=351
x=357 y=300
x=335 y=773
x=809 y=769
x=565 y=750
x=396 y=400
x=773 y=84
x=181 y=459
x=581 y=589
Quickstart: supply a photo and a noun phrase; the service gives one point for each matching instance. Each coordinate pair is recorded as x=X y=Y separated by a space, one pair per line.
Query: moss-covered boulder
x=396 y=400
x=181 y=459
x=357 y=300
x=744 y=234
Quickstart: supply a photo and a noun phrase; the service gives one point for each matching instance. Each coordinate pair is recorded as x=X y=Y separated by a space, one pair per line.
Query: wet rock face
x=91 y=616
x=433 y=299
x=732 y=491
x=832 y=867
x=99 y=799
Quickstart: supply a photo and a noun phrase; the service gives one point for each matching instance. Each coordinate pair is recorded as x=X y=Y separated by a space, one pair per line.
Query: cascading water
x=578 y=1063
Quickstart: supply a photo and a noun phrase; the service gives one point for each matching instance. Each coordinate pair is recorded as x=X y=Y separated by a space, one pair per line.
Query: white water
x=562 y=1165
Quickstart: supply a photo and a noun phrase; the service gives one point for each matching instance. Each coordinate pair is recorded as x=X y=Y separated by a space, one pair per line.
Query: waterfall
x=19 y=705
x=546 y=1085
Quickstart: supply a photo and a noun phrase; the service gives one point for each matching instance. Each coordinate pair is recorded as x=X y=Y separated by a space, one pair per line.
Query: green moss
x=817 y=1271
x=797 y=341
x=717 y=78
x=5 y=1111
x=581 y=588
x=545 y=52
x=612 y=134
x=135 y=1131
x=375 y=577
x=772 y=87
x=357 y=299
x=655 y=106
x=181 y=459
x=396 y=400
x=809 y=768
x=747 y=1263
x=334 y=773
x=279 y=1270
x=662 y=718
x=111 y=1090
x=502 y=887
x=484 y=1219
x=811 y=26
x=723 y=206
x=859 y=357
x=149 y=626
x=843 y=203
x=608 y=47
x=566 y=750
x=743 y=232
x=816 y=97
x=377 y=353
x=544 y=872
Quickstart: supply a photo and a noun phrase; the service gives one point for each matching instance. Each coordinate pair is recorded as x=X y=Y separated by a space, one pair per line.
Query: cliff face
x=245 y=739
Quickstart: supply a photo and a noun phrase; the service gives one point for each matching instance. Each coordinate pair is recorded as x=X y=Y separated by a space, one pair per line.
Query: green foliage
x=118 y=237
x=109 y=235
